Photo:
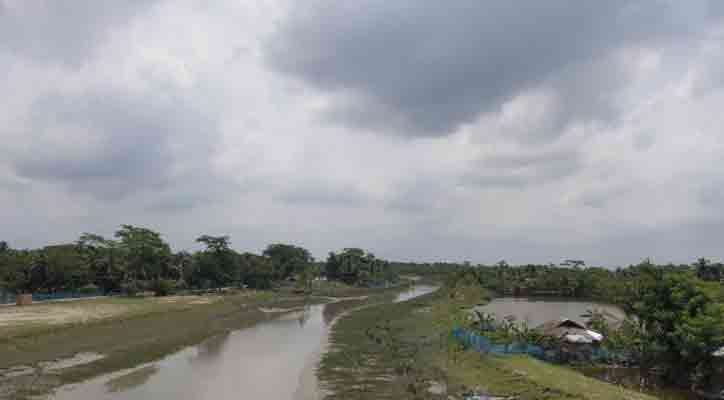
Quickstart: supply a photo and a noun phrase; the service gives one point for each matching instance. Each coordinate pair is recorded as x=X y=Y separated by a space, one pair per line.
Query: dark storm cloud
x=426 y=67
x=65 y=31
x=117 y=143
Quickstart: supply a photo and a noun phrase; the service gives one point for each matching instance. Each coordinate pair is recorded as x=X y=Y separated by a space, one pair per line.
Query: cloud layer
x=419 y=129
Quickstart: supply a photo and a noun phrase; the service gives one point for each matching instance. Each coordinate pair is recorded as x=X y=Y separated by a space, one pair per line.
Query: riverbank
x=137 y=331
x=401 y=351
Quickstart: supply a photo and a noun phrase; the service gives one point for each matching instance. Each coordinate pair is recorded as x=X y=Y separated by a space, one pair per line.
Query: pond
x=272 y=360
x=537 y=311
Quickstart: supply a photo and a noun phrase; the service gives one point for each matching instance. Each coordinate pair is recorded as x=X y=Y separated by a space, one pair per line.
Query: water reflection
x=275 y=359
x=211 y=348
x=132 y=379
x=304 y=315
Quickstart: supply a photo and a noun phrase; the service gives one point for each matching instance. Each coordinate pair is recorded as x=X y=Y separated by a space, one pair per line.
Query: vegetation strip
x=401 y=351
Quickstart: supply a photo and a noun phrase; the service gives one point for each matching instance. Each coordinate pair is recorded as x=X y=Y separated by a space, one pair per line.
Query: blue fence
x=5 y=297
x=483 y=344
x=8 y=298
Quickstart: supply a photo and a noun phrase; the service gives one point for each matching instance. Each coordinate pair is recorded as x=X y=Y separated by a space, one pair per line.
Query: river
x=275 y=360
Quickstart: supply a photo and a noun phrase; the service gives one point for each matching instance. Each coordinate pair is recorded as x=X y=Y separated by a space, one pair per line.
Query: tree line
x=138 y=259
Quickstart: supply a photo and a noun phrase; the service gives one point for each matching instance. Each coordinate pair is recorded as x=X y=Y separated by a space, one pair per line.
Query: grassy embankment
x=396 y=351
x=133 y=331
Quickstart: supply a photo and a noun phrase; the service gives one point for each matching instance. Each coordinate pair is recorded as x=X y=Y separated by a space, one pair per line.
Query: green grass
x=414 y=354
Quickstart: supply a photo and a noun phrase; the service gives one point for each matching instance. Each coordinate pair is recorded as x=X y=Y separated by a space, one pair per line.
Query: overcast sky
x=531 y=131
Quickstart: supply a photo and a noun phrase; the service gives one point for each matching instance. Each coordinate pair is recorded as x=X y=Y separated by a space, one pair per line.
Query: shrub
x=132 y=288
x=89 y=289
x=162 y=287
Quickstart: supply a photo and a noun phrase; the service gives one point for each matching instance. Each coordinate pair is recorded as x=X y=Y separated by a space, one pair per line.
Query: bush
x=162 y=287
x=132 y=288
x=89 y=289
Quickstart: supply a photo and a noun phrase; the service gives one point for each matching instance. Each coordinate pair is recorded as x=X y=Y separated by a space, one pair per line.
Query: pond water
x=536 y=311
x=272 y=360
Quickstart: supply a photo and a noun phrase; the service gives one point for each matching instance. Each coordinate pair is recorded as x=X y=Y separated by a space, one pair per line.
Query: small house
x=570 y=331
x=571 y=340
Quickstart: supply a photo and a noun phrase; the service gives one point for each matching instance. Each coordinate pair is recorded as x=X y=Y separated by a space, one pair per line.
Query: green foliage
x=162 y=287
x=356 y=266
x=16 y=271
x=104 y=259
x=146 y=253
x=708 y=271
x=288 y=260
x=218 y=264
x=88 y=289
x=259 y=274
x=133 y=288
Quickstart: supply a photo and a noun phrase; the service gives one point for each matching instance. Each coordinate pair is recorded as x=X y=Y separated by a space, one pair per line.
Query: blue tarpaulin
x=483 y=344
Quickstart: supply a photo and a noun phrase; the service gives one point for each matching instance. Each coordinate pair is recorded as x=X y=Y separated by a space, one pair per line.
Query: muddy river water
x=276 y=360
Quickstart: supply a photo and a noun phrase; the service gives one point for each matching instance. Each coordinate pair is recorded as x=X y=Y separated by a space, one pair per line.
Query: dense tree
x=354 y=265
x=288 y=260
x=59 y=268
x=147 y=254
x=17 y=269
x=708 y=271
x=258 y=271
x=217 y=265
x=182 y=268
x=104 y=259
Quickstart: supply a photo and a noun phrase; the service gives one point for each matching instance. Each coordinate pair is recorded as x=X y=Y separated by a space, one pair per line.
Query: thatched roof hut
x=570 y=331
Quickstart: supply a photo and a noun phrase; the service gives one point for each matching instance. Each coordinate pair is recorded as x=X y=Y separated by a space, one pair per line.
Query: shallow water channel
x=276 y=360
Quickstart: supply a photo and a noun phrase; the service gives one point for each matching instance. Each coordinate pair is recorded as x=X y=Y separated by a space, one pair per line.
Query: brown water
x=272 y=360
x=536 y=311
